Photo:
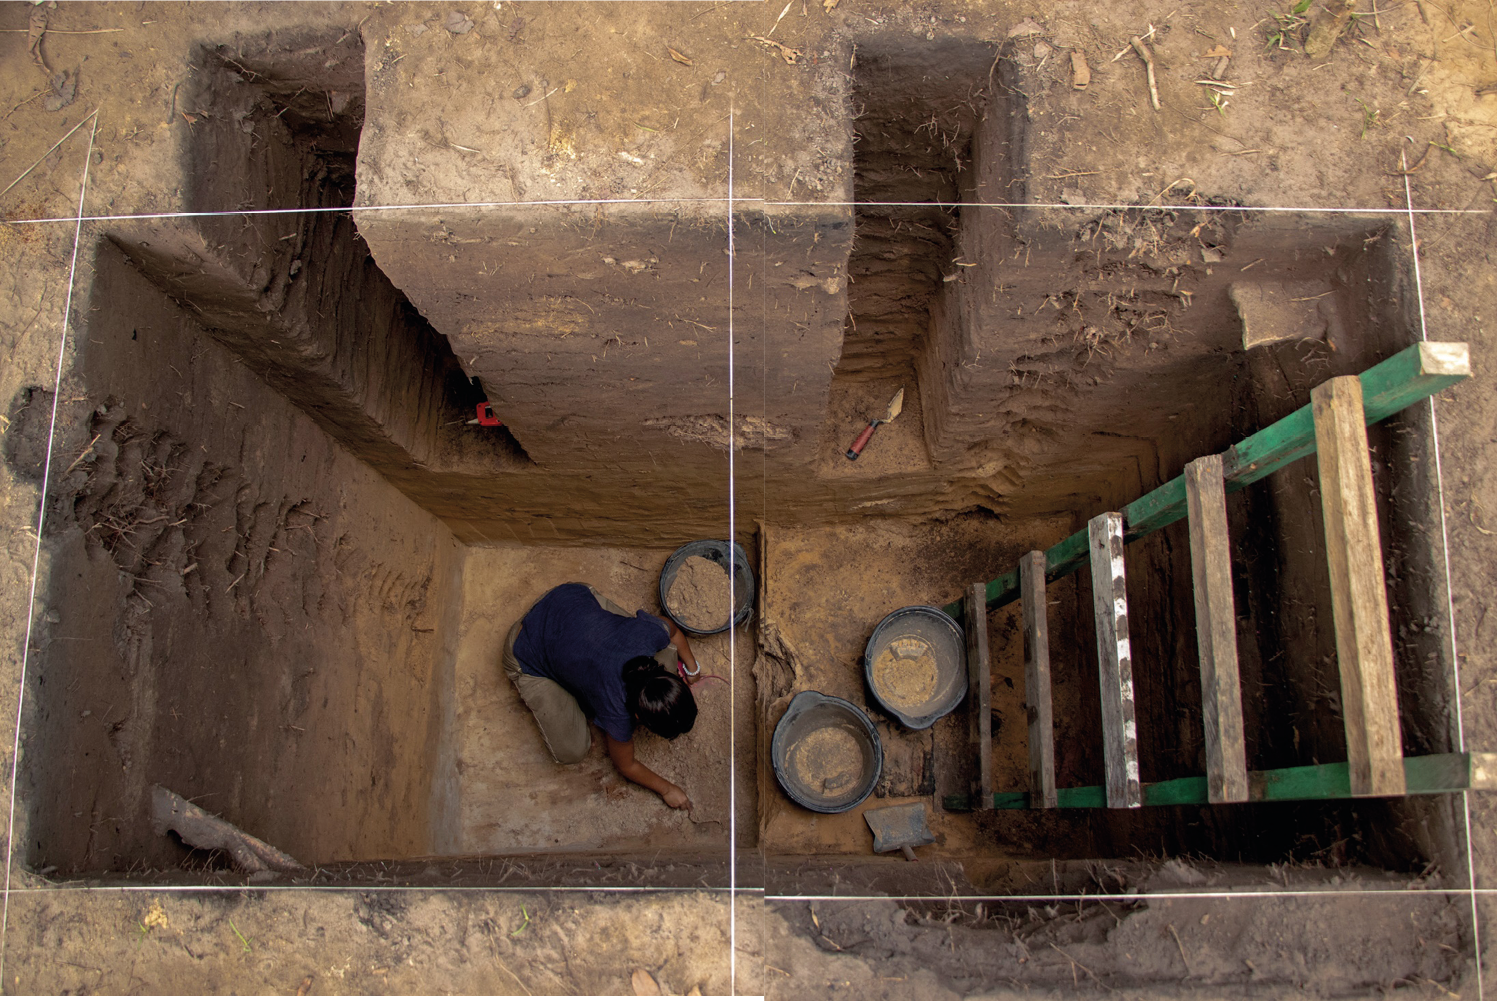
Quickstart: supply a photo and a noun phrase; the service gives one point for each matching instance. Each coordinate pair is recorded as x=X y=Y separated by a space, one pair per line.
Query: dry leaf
x=791 y=56
x=678 y=57
x=1216 y=53
x=34 y=32
x=829 y=5
x=306 y=985
x=644 y=985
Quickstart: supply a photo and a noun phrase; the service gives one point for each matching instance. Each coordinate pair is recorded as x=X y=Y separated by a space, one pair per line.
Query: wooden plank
x=1419 y=371
x=1359 y=601
x=1114 y=661
x=980 y=680
x=1429 y=774
x=1037 y=680
x=1216 y=631
x=1414 y=373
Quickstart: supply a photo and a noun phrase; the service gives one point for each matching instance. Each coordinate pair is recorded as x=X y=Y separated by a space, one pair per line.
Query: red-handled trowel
x=895 y=406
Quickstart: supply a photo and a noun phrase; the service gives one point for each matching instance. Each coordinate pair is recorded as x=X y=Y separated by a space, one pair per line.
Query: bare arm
x=683 y=646
x=622 y=753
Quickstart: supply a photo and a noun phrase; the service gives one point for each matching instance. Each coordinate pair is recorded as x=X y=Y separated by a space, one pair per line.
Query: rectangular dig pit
x=284 y=563
x=244 y=612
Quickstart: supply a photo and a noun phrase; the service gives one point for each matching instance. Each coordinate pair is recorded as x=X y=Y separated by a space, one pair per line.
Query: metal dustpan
x=899 y=828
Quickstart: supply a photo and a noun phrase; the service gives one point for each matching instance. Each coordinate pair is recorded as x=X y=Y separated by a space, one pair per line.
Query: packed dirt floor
x=278 y=556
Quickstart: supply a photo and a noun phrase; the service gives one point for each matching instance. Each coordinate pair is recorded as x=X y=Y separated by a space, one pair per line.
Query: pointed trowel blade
x=895 y=405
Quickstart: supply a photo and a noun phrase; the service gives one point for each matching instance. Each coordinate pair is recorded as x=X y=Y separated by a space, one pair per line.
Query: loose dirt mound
x=698 y=598
x=828 y=761
x=905 y=683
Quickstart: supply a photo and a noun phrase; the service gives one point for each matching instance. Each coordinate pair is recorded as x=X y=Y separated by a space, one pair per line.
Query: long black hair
x=659 y=699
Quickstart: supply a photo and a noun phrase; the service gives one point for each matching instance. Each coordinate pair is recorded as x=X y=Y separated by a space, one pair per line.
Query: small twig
x=1148 y=58
x=778 y=19
x=512 y=975
x=726 y=3
x=1181 y=947
x=39 y=93
x=1125 y=49
x=1083 y=968
x=66 y=31
x=49 y=152
x=1416 y=166
x=82 y=455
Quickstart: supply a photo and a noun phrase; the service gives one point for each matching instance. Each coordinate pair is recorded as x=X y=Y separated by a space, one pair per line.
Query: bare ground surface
x=1296 y=132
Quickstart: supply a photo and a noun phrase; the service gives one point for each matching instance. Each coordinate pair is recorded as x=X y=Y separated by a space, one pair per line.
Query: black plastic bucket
x=908 y=634
x=826 y=753
x=717 y=552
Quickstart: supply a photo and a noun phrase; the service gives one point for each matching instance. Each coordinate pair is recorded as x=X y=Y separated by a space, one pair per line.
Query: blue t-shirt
x=577 y=643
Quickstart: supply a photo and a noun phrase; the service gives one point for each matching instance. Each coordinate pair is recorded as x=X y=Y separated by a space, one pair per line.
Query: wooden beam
x=1359 y=600
x=1114 y=661
x=1216 y=631
x=1418 y=371
x=1427 y=775
x=1037 y=680
x=980 y=681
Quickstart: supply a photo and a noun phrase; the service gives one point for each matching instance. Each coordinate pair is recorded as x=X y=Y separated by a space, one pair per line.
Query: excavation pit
x=284 y=563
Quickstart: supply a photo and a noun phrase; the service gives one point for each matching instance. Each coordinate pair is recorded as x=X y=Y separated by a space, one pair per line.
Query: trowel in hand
x=895 y=406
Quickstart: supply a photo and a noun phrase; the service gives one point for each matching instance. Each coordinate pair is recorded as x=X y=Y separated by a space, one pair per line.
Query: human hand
x=675 y=798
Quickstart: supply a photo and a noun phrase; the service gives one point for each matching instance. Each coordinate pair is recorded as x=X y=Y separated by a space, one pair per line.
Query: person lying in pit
x=575 y=656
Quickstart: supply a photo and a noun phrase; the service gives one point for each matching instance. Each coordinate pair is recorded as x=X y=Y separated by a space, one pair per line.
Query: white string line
x=155 y=888
x=365 y=888
x=768 y=897
x=36 y=556
x=1135 y=205
x=1455 y=657
x=1139 y=897
x=711 y=201
x=732 y=607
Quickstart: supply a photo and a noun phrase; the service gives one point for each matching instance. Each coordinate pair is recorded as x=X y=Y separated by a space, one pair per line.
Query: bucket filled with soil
x=915 y=665
x=694 y=587
x=826 y=753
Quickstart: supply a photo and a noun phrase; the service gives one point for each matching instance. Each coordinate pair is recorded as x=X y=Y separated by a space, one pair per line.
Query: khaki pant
x=563 y=725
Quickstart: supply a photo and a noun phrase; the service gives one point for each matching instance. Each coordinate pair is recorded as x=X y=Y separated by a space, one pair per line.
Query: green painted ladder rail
x=1418 y=371
x=1426 y=775
x=1332 y=425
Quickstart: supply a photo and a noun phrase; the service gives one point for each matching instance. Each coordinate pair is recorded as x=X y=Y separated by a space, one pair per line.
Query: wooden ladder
x=1334 y=427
